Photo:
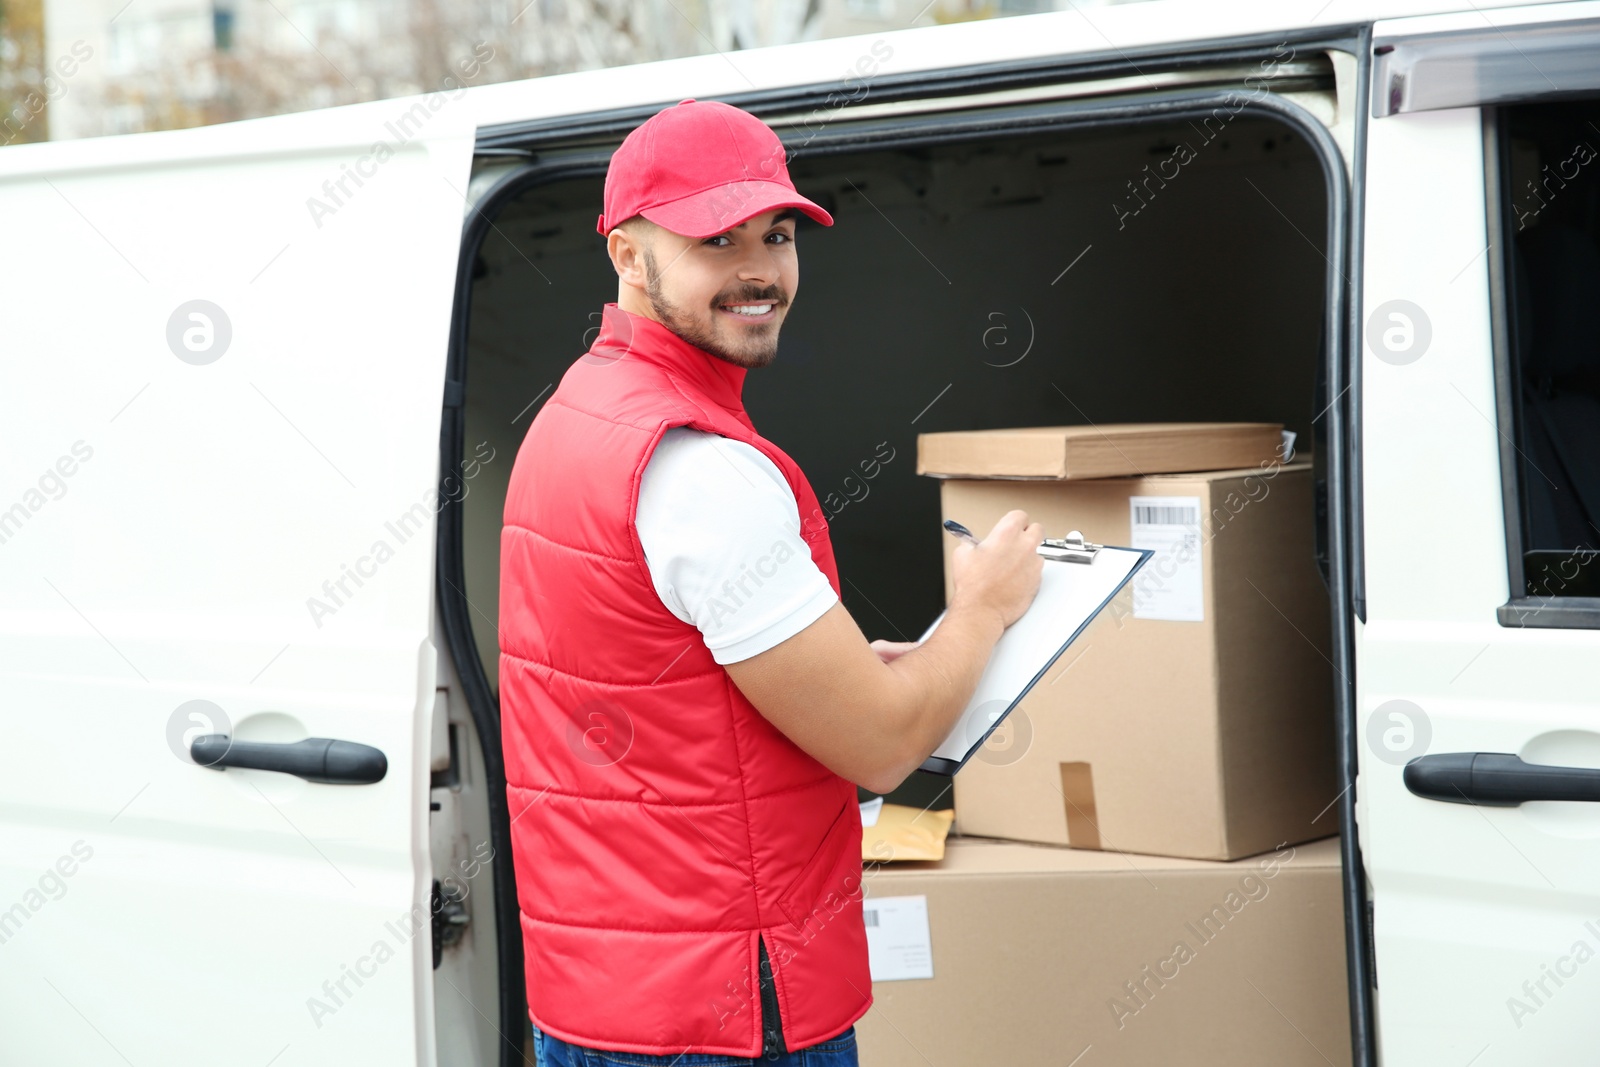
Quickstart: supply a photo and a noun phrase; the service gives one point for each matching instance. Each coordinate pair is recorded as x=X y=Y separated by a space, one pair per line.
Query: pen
x=960 y=531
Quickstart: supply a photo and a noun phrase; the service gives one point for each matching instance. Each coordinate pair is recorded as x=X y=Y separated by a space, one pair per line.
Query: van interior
x=1147 y=273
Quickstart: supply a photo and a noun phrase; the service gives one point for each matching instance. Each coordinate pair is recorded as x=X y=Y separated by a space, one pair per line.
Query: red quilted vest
x=661 y=825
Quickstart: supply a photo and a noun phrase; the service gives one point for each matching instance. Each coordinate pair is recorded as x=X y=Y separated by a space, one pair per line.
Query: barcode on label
x=1165 y=515
x=871 y=916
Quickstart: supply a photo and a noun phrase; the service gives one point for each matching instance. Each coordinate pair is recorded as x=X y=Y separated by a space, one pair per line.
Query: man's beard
x=756 y=351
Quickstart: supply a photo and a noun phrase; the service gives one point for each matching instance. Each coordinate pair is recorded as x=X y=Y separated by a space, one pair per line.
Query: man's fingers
x=1011 y=521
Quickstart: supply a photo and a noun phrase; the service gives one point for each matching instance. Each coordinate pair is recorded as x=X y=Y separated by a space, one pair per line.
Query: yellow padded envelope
x=905 y=833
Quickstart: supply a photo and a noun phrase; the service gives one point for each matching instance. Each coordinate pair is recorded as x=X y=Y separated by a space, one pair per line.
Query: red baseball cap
x=700 y=168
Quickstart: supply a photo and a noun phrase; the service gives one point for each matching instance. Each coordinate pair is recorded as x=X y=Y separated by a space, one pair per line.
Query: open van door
x=225 y=354
x=1476 y=682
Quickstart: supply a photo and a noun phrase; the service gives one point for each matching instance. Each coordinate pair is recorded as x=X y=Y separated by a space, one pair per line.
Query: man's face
x=726 y=294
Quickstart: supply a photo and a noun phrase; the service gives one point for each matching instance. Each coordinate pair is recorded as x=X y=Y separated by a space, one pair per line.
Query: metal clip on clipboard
x=1069 y=549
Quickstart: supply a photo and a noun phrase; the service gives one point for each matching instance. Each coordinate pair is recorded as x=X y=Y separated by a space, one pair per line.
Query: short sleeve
x=721 y=535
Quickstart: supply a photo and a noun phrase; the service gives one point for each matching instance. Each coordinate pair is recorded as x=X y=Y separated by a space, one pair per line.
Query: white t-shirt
x=721 y=534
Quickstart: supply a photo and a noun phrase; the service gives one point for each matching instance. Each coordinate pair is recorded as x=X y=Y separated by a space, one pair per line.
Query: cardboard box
x=1039 y=953
x=1112 y=450
x=1194 y=717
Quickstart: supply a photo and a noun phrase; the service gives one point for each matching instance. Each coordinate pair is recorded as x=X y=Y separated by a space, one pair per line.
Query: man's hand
x=1002 y=572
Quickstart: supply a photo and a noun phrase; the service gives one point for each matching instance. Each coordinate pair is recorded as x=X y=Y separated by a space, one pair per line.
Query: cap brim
x=719 y=209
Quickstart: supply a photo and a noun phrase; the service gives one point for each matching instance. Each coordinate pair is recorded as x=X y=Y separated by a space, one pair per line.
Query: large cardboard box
x=1044 y=957
x=1194 y=717
x=1108 y=450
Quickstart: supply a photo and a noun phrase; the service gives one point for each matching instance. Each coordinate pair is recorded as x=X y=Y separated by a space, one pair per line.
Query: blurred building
x=26 y=84
x=162 y=64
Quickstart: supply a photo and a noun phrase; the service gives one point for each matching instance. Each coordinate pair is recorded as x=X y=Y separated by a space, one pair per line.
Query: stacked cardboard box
x=1189 y=726
x=1041 y=956
x=1194 y=716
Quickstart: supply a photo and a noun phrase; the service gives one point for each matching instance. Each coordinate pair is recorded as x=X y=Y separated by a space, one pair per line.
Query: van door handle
x=1499 y=779
x=316 y=759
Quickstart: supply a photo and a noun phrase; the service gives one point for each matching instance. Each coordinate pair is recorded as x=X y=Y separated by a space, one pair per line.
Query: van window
x=1546 y=174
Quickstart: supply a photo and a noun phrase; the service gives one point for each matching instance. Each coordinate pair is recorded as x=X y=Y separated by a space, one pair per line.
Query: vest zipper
x=772 y=1043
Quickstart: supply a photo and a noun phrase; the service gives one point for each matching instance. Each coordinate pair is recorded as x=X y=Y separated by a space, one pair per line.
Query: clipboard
x=1078 y=581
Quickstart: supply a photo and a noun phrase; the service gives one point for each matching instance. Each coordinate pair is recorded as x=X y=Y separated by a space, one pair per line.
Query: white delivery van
x=264 y=382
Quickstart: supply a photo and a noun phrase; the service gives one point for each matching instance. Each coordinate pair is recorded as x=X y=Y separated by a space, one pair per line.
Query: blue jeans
x=554 y=1052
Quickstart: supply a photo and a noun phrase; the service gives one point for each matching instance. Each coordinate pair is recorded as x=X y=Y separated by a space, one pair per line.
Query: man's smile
x=751 y=311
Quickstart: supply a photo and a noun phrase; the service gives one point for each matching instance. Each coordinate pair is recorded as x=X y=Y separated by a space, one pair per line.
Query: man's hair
x=641 y=229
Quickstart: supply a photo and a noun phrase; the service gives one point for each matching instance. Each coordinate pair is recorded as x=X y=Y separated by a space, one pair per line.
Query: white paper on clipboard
x=1070 y=596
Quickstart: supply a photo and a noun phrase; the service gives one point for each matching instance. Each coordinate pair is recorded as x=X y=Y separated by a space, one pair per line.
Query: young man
x=687 y=707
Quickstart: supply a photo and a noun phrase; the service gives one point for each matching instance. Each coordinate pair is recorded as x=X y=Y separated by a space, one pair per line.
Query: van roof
x=1125 y=30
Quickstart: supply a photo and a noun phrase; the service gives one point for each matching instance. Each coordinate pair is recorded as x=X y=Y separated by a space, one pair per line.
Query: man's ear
x=625 y=245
